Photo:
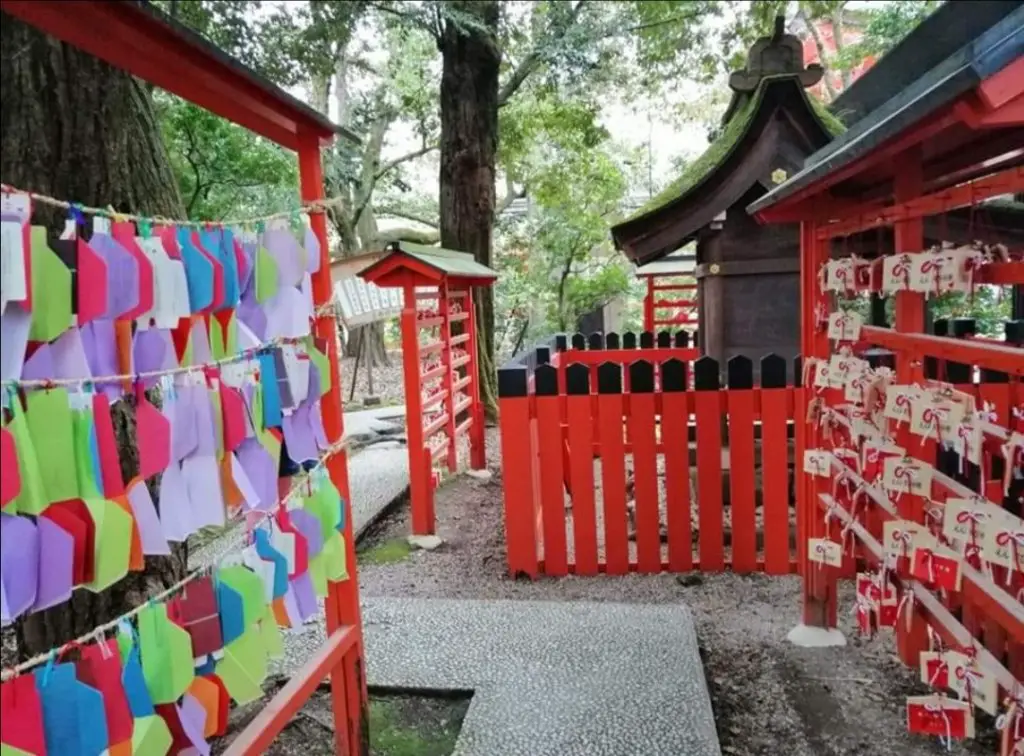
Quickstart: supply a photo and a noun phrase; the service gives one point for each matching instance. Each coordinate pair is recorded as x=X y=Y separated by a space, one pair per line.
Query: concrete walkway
x=548 y=678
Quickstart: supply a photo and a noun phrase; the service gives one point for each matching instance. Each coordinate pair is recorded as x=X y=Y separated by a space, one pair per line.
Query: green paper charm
x=249 y=586
x=50 y=423
x=166 y=650
x=270 y=634
x=266 y=275
x=333 y=555
x=31 y=500
x=151 y=736
x=318 y=574
x=82 y=428
x=244 y=667
x=51 y=290
x=113 y=544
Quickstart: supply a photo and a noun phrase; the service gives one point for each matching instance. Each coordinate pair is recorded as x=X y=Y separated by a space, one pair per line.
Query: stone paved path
x=549 y=678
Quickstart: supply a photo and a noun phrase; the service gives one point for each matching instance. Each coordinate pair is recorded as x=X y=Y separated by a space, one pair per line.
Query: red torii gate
x=141 y=40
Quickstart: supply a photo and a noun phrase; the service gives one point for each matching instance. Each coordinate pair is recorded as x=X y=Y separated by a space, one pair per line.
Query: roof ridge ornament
x=778 y=55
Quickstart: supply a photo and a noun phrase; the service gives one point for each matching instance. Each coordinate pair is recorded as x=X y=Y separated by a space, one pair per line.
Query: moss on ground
x=415 y=725
x=387 y=552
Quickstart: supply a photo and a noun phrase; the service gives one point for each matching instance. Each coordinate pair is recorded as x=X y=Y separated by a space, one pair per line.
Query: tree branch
x=392 y=164
x=534 y=58
x=198 y=189
x=511 y=195
x=371 y=162
x=406 y=215
x=819 y=44
x=416 y=19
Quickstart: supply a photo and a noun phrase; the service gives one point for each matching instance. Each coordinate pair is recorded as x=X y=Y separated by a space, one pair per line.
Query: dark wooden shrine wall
x=750 y=305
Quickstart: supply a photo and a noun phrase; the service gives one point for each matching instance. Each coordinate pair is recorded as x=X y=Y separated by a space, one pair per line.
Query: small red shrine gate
x=671 y=297
x=146 y=43
x=437 y=395
x=927 y=154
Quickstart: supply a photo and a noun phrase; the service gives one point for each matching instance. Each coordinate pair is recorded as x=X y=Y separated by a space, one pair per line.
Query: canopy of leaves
x=222 y=169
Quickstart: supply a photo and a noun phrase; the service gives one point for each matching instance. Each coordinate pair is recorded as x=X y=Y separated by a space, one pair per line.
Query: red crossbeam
x=985 y=354
x=1010 y=181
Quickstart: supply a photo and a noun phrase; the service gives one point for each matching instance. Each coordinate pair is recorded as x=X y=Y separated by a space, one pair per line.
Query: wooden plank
x=674 y=420
x=741 y=479
x=552 y=484
x=775 y=480
x=707 y=412
x=517 y=457
x=613 y=483
x=581 y=471
x=645 y=474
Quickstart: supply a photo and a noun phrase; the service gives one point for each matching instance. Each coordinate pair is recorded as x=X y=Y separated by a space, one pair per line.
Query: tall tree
x=471 y=62
x=73 y=127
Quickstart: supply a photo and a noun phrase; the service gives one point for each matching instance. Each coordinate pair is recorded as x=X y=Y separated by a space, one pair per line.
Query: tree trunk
x=469 y=141
x=75 y=128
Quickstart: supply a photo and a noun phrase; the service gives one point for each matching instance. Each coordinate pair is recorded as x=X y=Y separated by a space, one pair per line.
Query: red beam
x=991 y=355
x=1010 y=181
x=275 y=716
x=1008 y=84
x=127 y=36
x=1002 y=274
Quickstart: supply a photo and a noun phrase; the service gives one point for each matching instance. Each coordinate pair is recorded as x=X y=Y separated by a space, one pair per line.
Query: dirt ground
x=387 y=381
x=766 y=693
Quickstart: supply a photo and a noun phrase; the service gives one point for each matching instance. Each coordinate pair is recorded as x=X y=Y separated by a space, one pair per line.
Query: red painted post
x=552 y=484
x=649 y=305
x=420 y=488
x=348 y=680
x=613 y=480
x=741 y=479
x=477 y=446
x=707 y=416
x=775 y=403
x=517 y=460
x=675 y=440
x=909 y=237
x=819 y=584
x=581 y=472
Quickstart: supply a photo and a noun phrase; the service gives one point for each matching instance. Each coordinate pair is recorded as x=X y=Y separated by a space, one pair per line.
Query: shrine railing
x=614 y=461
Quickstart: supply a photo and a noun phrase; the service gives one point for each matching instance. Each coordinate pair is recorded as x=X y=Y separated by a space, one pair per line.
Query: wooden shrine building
x=747 y=274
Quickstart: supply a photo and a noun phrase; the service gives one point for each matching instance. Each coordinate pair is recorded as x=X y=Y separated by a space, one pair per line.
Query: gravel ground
x=766 y=693
x=387 y=381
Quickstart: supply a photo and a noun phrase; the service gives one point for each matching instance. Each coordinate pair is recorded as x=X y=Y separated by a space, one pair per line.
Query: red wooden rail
x=554 y=427
x=149 y=45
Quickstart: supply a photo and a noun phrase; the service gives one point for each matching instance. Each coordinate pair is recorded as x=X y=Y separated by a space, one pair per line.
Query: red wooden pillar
x=348 y=679
x=908 y=183
x=819 y=581
x=477 y=449
x=421 y=491
x=649 y=305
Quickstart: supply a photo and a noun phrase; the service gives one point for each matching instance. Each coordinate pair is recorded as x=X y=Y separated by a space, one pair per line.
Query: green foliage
x=990 y=306
x=222 y=169
x=887 y=25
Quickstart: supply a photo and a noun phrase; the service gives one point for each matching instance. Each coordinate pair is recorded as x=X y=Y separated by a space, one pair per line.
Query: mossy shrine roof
x=405 y=262
x=739 y=135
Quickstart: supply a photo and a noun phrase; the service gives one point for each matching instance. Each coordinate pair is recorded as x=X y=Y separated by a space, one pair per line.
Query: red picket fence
x=615 y=461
